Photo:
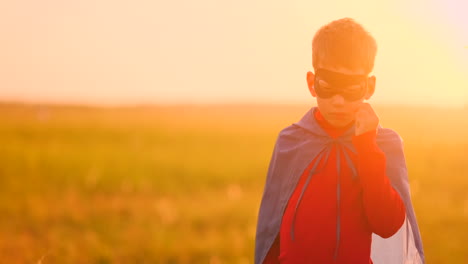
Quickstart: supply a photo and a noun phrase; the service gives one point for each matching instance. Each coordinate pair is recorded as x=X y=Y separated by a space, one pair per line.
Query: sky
x=207 y=51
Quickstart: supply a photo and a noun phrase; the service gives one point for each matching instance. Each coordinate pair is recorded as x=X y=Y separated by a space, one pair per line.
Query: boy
x=337 y=188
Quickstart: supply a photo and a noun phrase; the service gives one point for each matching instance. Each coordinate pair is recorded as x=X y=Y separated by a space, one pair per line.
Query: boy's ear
x=310 y=83
x=370 y=87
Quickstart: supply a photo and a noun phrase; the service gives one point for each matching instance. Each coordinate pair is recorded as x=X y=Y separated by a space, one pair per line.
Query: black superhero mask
x=329 y=83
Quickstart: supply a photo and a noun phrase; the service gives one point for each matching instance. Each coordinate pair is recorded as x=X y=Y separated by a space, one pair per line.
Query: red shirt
x=368 y=204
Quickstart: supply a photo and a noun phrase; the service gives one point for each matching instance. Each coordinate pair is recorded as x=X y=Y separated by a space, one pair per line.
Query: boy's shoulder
x=294 y=133
x=388 y=136
x=290 y=130
x=390 y=142
x=290 y=135
x=384 y=135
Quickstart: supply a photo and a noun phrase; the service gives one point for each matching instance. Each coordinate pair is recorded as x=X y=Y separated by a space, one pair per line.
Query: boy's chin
x=340 y=123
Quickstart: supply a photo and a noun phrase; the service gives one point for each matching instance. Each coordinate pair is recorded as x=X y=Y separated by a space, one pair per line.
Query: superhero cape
x=297 y=145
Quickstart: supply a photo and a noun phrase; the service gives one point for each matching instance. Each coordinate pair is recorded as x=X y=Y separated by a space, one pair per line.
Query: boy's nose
x=338 y=99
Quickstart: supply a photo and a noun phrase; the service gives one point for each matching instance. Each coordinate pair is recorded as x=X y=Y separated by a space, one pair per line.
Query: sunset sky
x=207 y=51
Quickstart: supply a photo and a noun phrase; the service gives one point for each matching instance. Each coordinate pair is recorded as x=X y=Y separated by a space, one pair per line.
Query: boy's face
x=340 y=92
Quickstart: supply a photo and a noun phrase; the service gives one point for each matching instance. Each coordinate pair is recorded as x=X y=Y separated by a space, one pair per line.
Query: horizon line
x=208 y=104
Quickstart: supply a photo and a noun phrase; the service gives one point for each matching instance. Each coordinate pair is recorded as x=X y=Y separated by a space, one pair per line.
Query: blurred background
x=140 y=132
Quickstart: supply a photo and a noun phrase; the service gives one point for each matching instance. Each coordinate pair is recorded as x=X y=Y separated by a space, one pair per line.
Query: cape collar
x=309 y=123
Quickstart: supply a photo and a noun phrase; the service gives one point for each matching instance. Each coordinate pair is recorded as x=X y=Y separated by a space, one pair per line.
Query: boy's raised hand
x=366 y=119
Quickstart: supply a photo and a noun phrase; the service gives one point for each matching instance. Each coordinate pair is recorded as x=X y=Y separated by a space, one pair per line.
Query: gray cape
x=296 y=147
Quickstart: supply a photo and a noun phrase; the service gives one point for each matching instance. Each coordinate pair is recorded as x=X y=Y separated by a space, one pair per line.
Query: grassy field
x=182 y=184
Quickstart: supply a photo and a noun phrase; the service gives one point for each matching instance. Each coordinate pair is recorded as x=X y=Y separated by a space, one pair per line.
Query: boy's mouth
x=339 y=115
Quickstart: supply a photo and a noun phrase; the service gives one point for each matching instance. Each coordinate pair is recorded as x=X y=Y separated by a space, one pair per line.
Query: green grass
x=182 y=184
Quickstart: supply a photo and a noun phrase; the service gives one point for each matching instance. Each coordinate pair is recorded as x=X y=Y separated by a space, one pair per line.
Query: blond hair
x=344 y=43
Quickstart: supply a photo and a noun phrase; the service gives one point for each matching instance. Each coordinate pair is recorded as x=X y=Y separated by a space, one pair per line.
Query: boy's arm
x=384 y=207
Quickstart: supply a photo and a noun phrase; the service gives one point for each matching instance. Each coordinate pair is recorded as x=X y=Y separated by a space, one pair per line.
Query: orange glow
x=111 y=52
